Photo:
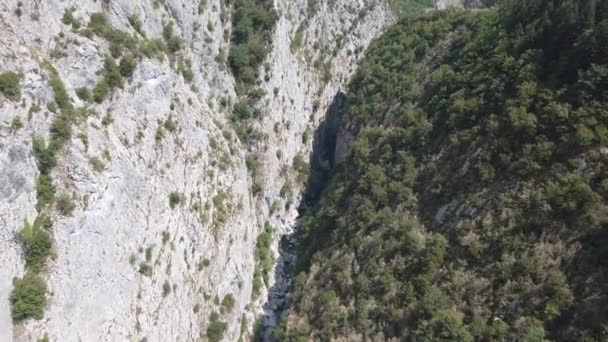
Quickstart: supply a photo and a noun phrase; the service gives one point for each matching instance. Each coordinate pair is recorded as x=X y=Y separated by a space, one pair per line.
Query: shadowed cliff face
x=322 y=157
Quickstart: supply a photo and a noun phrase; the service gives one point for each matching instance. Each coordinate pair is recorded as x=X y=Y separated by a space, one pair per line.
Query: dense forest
x=472 y=206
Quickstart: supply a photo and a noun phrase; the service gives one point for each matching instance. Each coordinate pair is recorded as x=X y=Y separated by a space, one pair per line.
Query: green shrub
x=252 y=22
x=571 y=195
x=154 y=47
x=9 y=85
x=96 y=164
x=276 y=205
x=45 y=190
x=244 y=110
x=98 y=24
x=83 y=93
x=174 y=199
x=202 y=264
x=64 y=204
x=149 y=253
x=28 y=298
x=170 y=125
x=165 y=237
x=159 y=134
x=239 y=59
x=448 y=324
x=112 y=76
x=228 y=303
x=36 y=243
x=62 y=99
x=101 y=91
x=137 y=25
x=256 y=188
x=406 y=7
x=107 y=120
x=118 y=39
x=535 y=332
x=45 y=156
x=145 y=269
x=111 y=73
x=16 y=124
x=302 y=167
x=166 y=288
x=263 y=258
x=252 y=163
x=61 y=131
x=173 y=42
x=216 y=328
x=68 y=18
x=185 y=68
x=122 y=39
x=286 y=190
x=127 y=66
x=297 y=39
x=52 y=107
x=35 y=108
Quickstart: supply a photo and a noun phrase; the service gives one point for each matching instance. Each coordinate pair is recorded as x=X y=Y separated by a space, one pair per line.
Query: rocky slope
x=165 y=222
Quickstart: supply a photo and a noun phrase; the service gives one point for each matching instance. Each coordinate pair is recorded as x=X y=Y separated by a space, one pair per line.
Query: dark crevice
x=322 y=163
x=322 y=157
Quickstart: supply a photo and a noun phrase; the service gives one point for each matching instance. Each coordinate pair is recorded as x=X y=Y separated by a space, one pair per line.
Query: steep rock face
x=469 y=4
x=126 y=265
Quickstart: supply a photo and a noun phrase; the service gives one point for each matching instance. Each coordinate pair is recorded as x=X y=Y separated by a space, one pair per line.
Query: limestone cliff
x=165 y=221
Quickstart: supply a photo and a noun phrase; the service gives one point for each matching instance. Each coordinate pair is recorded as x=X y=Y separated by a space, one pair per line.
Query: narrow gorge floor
x=278 y=293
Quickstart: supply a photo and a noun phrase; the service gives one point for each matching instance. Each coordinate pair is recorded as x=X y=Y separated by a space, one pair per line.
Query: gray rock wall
x=96 y=292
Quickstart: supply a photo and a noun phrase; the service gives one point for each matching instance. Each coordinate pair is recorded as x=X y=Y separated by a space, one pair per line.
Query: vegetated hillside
x=472 y=205
x=147 y=153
